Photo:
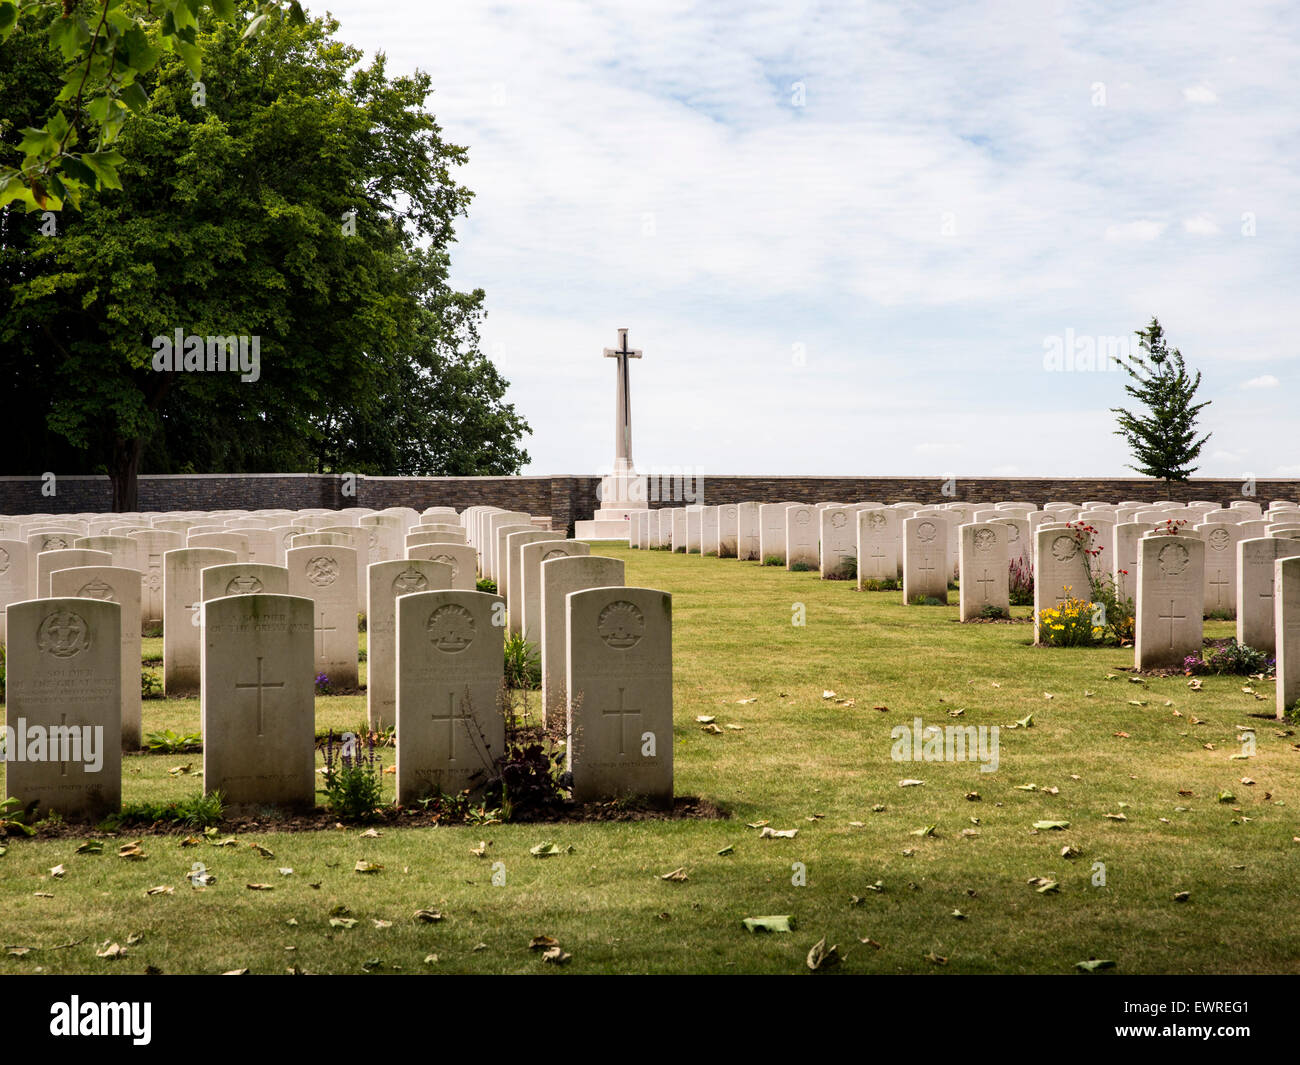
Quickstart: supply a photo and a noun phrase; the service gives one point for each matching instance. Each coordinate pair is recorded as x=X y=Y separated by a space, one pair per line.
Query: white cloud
x=1200 y=225
x=1200 y=94
x=1263 y=381
x=1142 y=229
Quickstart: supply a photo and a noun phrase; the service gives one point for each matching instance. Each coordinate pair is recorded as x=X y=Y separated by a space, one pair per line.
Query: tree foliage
x=1163 y=439
x=106 y=48
x=302 y=198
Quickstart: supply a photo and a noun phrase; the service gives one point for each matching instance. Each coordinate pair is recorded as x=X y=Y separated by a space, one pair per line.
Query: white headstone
x=64 y=707
x=259 y=717
x=1170 y=600
x=984 y=562
x=925 y=559
x=560 y=576
x=878 y=535
x=462 y=559
x=120 y=585
x=182 y=615
x=385 y=582
x=838 y=535
x=1256 y=610
x=328 y=576
x=450 y=665
x=620 y=694
x=1286 y=621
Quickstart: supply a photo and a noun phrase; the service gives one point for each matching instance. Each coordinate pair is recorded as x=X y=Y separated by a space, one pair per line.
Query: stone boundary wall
x=569 y=498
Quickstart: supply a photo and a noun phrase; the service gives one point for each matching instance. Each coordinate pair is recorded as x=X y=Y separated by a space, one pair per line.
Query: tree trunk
x=124 y=474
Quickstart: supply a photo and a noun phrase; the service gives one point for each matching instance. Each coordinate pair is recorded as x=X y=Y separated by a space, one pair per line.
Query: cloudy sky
x=849 y=236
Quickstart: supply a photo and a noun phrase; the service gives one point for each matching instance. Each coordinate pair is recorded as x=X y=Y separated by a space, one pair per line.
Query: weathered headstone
x=48 y=561
x=983 y=564
x=1221 y=539
x=620 y=694
x=450 y=665
x=1125 y=538
x=1256 y=612
x=14 y=586
x=328 y=576
x=385 y=582
x=926 y=565
x=259 y=717
x=513 y=585
x=838 y=536
x=151 y=545
x=226 y=541
x=64 y=706
x=120 y=585
x=462 y=559
x=182 y=616
x=1170 y=600
x=1061 y=570
x=123 y=550
x=877 y=545
x=320 y=539
x=1286 y=622
x=709 y=530
x=681 y=530
x=531 y=558
x=771 y=531
x=560 y=576
x=728 y=530
x=242 y=578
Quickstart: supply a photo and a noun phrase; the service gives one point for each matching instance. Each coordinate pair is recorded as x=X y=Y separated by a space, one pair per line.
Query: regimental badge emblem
x=802 y=517
x=243 y=585
x=448 y=560
x=63 y=634
x=54 y=543
x=621 y=625
x=4 y=560
x=322 y=570
x=985 y=540
x=555 y=552
x=97 y=589
x=926 y=532
x=1065 y=548
x=876 y=520
x=1219 y=539
x=838 y=521
x=408 y=581
x=451 y=628
x=1173 y=559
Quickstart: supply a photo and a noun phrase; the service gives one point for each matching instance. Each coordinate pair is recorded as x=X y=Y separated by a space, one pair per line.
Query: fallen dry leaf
x=823 y=957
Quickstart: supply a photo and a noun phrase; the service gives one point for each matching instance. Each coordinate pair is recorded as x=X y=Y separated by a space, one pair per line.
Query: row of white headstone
x=251 y=637
x=1178 y=562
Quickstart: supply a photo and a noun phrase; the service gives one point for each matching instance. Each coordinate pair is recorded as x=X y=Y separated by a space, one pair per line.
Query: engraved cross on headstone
x=622 y=402
x=1171 y=617
x=622 y=713
x=451 y=717
x=1218 y=586
x=321 y=630
x=260 y=686
x=984 y=582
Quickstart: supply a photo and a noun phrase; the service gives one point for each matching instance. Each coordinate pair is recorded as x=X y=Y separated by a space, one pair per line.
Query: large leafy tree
x=300 y=197
x=1162 y=438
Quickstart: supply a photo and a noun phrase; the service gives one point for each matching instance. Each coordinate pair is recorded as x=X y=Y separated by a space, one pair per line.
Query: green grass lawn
x=798 y=761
